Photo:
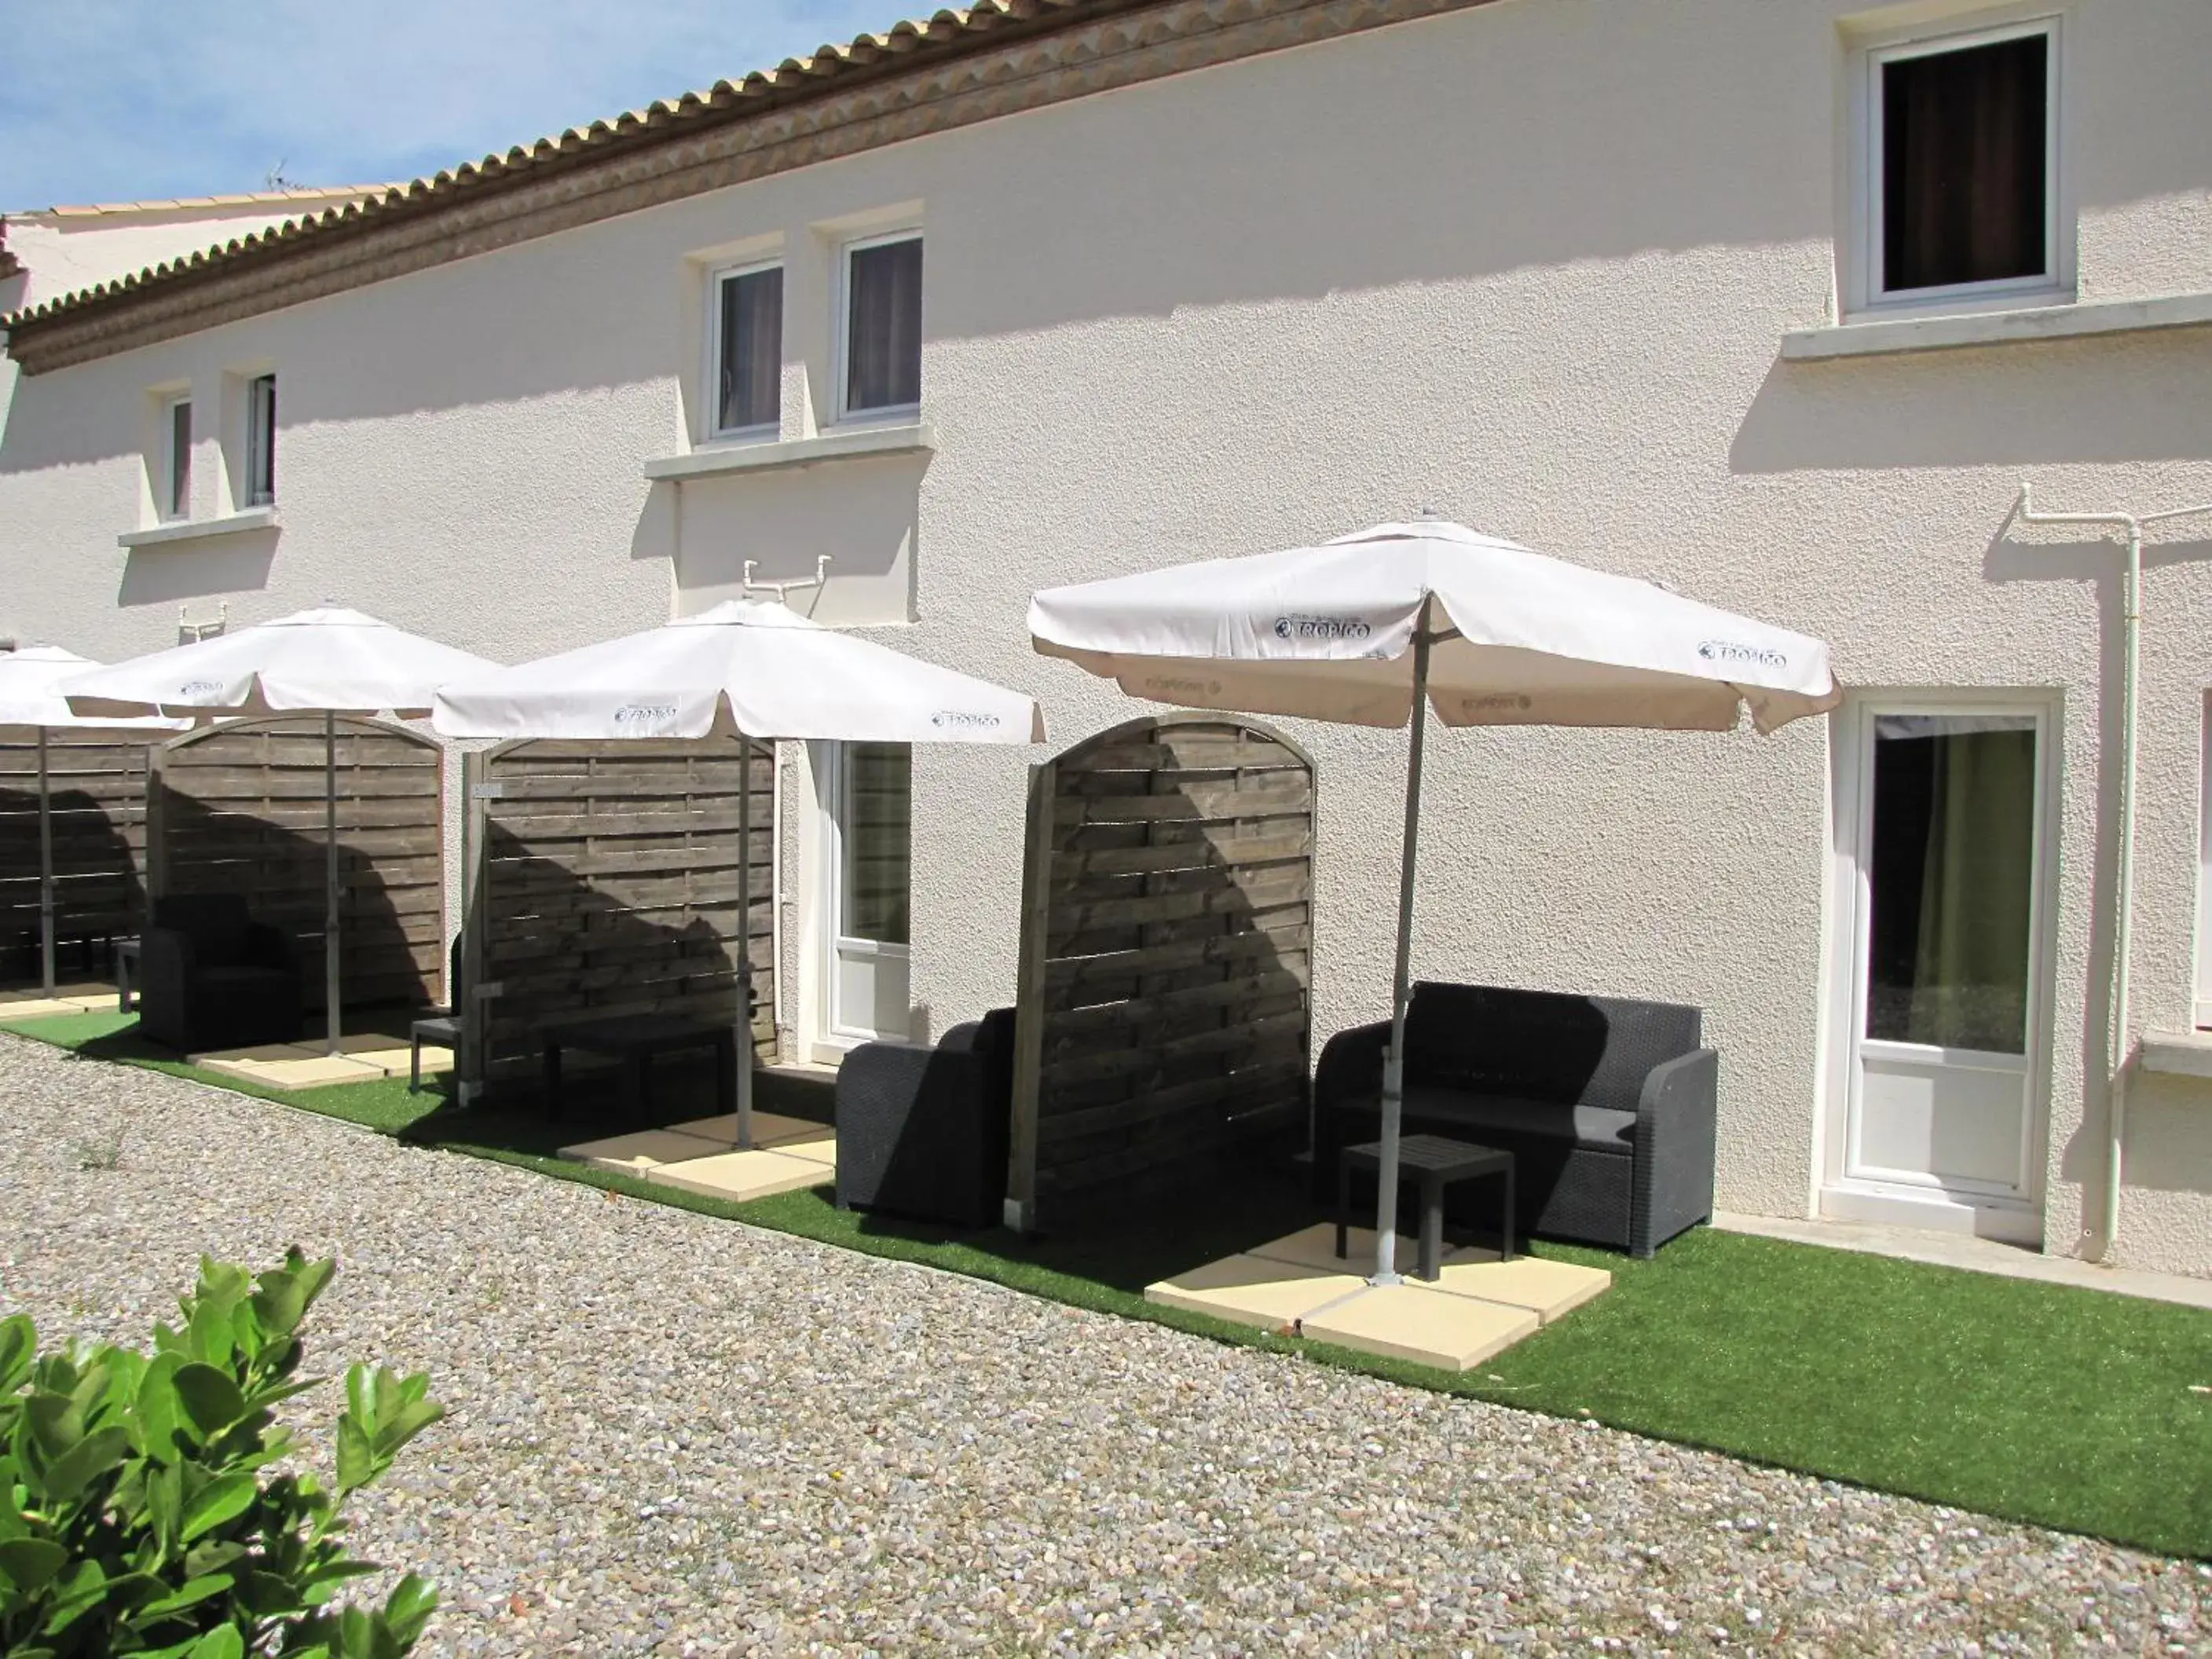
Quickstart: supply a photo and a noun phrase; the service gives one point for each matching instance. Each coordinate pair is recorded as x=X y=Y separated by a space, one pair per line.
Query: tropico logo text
x=961 y=720
x=198 y=688
x=1322 y=628
x=637 y=713
x=1731 y=651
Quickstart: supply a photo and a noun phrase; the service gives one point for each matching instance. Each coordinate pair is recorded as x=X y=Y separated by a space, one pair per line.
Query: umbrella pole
x=744 y=1045
x=331 y=872
x=45 y=873
x=1394 y=1059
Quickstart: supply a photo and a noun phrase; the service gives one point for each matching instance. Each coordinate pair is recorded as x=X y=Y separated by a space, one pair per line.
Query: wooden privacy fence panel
x=98 y=788
x=241 y=809
x=1164 y=1003
x=607 y=886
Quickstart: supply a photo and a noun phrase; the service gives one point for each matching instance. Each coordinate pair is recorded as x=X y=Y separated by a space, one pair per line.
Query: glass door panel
x=1948 y=874
x=871 y=897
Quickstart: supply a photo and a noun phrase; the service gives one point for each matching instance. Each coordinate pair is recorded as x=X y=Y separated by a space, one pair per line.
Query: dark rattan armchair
x=210 y=977
x=921 y=1133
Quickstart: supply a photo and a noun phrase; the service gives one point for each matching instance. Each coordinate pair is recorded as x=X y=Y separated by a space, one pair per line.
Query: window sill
x=910 y=438
x=194 y=530
x=1899 y=334
x=2184 y=1054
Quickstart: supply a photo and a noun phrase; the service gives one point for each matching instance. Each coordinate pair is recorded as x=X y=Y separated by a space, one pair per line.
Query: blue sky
x=108 y=101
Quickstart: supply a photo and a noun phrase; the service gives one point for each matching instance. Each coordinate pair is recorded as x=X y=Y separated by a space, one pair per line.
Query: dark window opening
x=882 y=326
x=748 y=392
x=1964 y=173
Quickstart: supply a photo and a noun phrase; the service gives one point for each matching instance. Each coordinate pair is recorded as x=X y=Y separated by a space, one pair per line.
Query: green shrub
x=139 y=1511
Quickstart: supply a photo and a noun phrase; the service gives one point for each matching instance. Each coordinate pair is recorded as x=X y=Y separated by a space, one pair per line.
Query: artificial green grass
x=2042 y=1403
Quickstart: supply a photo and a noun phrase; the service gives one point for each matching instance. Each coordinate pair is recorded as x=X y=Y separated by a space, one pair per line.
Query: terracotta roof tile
x=724 y=99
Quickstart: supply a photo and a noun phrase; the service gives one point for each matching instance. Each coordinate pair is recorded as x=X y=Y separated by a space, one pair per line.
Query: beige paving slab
x=89 y=994
x=1429 y=1326
x=1315 y=1246
x=391 y=1059
x=1252 y=1290
x=640 y=1153
x=38 y=1008
x=741 y=1175
x=303 y=1072
x=815 y=1149
x=1548 y=1289
x=260 y=1051
x=769 y=1128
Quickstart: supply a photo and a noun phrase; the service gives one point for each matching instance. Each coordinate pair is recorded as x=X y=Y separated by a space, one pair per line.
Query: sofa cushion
x=1598 y=1128
x=1540 y=1045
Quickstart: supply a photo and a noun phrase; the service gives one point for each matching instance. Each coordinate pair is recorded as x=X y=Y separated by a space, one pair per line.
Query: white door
x=870 y=802
x=1943 y=1118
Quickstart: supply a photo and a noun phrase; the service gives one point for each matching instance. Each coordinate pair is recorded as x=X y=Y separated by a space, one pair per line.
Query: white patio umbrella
x=1372 y=627
x=331 y=661
x=743 y=667
x=27 y=698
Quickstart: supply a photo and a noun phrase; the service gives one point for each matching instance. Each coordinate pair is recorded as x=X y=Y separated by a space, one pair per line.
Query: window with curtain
x=883 y=325
x=177 y=484
x=748 y=350
x=1963 y=135
x=877 y=835
x=1951 y=881
x=261 y=442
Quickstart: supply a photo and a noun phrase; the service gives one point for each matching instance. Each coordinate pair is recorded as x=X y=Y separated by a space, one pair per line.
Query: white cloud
x=110 y=99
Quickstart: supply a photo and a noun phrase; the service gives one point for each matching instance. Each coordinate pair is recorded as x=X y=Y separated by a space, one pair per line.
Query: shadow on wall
x=2081 y=401
x=781 y=521
x=99 y=896
x=1496 y=140
x=2098 y=566
x=203 y=569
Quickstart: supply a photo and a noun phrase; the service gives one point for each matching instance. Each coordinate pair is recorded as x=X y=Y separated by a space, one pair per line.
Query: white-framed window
x=1957 y=161
x=2201 y=1015
x=744 y=349
x=879 y=326
x=174 y=491
x=261 y=441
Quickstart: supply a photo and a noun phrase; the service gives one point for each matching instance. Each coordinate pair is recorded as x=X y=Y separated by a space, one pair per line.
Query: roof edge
x=1000 y=57
x=155 y=207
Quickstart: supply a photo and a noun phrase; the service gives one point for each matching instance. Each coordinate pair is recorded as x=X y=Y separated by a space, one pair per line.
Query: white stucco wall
x=1528 y=265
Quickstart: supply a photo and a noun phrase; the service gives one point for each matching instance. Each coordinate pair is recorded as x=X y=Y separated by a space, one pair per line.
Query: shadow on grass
x=2033 y=1402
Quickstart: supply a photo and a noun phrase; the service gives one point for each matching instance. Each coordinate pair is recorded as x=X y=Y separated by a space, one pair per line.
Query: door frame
x=1837 y=1195
x=831 y=1039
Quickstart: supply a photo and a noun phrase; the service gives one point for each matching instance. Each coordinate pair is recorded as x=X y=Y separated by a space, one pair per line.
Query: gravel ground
x=674 y=1435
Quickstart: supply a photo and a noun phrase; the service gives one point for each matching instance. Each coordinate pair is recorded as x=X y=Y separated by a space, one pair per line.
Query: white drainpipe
x=2115 y=1116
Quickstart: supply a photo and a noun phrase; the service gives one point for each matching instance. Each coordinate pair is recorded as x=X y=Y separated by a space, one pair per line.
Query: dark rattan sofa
x=1608 y=1105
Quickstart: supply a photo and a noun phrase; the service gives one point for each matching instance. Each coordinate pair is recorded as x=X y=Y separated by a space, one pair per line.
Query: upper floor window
x=176 y=478
x=746 y=350
x=261 y=441
x=881 y=325
x=1961 y=165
